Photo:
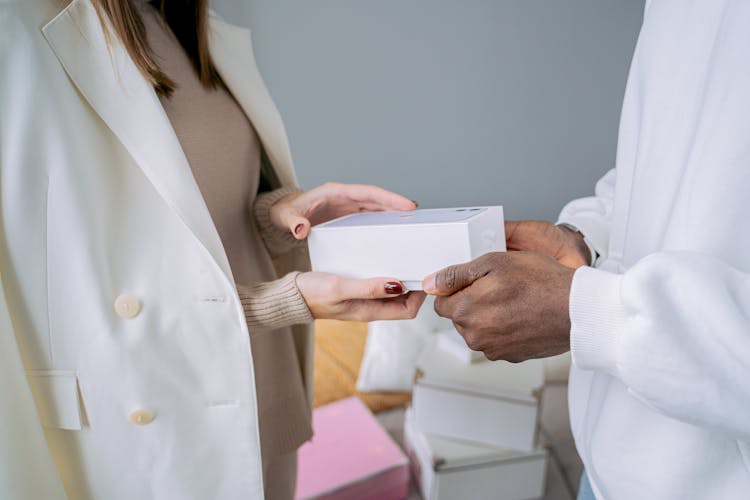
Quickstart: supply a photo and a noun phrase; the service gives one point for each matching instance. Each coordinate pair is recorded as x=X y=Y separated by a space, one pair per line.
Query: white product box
x=447 y=469
x=405 y=245
x=488 y=402
x=454 y=344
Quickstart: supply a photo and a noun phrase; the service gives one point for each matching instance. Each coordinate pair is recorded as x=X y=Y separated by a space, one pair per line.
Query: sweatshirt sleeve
x=675 y=328
x=592 y=215
x=275 y=304
x=278 y=242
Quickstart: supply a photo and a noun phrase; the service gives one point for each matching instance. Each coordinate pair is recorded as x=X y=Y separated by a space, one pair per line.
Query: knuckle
x=515 y=359
x=461 y=312
x=472 y=340
x=373 y=291
x=448 y=278
x=441 y=307
x=474 y=270
x=438 y=306
x=334 y=287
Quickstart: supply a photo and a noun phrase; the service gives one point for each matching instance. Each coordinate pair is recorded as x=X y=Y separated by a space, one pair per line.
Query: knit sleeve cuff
x=277 y=241
x=275 y=304
x=597 y=318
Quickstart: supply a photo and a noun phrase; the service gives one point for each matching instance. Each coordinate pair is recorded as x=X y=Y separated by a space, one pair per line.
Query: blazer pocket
x=57 y=398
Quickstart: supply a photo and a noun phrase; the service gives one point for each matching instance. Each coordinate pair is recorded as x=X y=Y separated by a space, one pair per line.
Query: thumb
x=453 y=279
x=291 y=218
x=299 y=226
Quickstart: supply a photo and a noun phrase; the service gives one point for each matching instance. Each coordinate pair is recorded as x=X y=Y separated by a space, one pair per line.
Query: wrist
x=277 y=209
x=267 y=206
x=304 y=283
x=583 y=247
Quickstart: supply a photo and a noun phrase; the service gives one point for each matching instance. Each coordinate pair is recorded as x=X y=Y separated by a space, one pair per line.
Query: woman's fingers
x=379 y=299
x=333 y=200
x=398 y=308
x=386 y=200
x=373 y=288
x=299 y=226
x=331 y=297
x=291 y=218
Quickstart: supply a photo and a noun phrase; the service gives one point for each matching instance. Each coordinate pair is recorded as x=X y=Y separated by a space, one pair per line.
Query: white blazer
x=125 y=364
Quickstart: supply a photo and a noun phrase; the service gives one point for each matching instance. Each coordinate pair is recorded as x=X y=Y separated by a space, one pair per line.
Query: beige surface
x=339 y=347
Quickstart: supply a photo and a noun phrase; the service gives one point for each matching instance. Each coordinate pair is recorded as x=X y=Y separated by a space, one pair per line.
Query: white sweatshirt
x=660 y=339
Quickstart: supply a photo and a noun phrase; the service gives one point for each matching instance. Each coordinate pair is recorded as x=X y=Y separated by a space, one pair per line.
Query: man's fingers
x=528 y=235
x=444 y=307
x=510 y=230
x=454 y=278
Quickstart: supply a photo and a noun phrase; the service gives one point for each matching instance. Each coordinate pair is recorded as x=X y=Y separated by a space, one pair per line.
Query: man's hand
x=563 y=244
x=511 y=306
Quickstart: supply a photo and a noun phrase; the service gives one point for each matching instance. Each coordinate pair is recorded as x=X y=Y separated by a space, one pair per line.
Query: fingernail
x=428 y=285
x=416 y=203
x=394 y=288
x=298 y=229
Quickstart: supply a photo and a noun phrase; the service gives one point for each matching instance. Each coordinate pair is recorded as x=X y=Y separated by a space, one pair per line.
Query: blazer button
x=141 y=417
x=127 y=306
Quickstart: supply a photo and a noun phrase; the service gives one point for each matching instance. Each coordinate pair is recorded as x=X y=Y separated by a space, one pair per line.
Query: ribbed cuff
x=275 y=304
x=597 y=318
x=278 y=241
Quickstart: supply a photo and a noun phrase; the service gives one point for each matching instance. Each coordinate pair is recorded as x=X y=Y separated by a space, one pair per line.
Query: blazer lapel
x=232 y=53
x=108 y=79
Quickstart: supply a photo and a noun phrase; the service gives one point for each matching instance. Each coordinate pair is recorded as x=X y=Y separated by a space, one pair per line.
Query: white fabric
x=660 y=387
x=393 y=349
x=97 y=201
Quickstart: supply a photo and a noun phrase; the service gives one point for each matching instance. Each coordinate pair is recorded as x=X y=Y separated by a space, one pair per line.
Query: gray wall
x=450 y=102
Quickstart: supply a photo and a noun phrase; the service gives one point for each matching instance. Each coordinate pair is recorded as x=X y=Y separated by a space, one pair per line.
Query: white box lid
x=393 y=218
x=448 y=454
x=521 y=380
x=431 y=382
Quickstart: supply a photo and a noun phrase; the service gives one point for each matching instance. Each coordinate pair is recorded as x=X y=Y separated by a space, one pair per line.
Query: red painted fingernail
x=299 y=228
x=394 y=288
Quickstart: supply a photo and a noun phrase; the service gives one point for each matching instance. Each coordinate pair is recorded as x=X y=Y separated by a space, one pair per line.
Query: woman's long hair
x=188 y=20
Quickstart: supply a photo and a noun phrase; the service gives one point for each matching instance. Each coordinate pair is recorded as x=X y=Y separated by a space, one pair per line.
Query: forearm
x=675 y=329
x=277 y=241
x=274 y=304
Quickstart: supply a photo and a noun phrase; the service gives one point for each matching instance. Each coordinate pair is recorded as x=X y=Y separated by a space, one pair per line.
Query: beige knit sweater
x=277 y=303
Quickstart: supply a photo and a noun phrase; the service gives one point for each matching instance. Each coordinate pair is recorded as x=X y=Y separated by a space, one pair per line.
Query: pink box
x=351 y=457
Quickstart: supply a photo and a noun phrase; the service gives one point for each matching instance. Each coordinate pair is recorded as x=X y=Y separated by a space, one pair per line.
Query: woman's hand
x=298 y=212
x=331 y=297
